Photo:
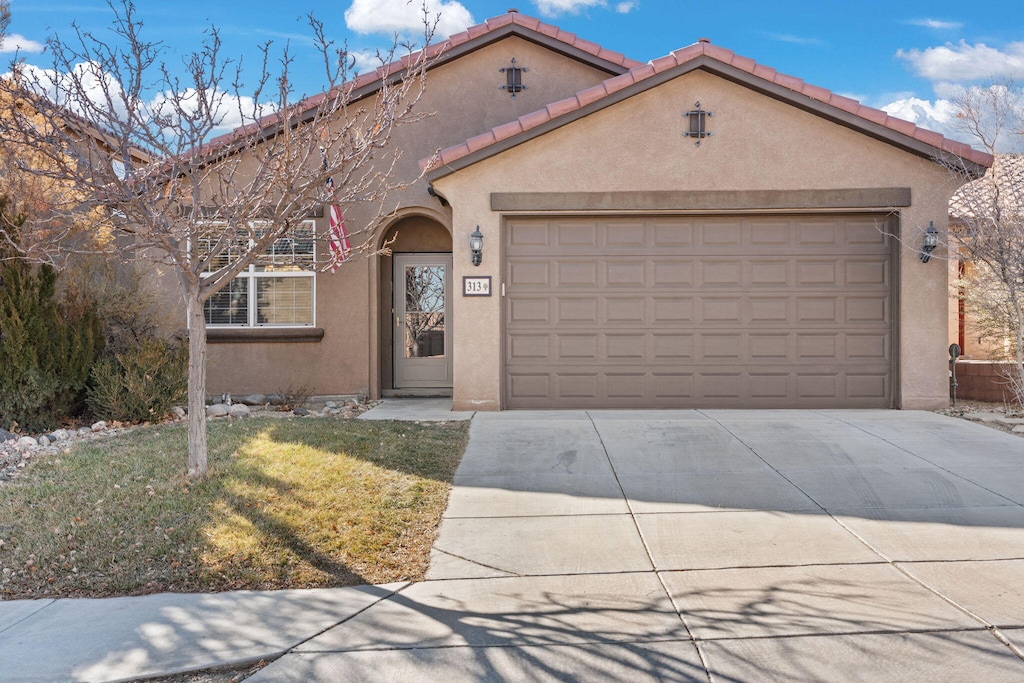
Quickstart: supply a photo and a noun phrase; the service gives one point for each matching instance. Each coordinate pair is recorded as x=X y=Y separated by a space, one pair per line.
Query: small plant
x=143 y=383
x=295 y=396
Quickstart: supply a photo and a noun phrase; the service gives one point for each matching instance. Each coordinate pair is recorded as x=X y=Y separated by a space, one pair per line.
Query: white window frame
x=254 y=272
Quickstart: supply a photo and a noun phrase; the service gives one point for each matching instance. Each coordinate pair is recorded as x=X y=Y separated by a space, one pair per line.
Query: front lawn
x=289 y=503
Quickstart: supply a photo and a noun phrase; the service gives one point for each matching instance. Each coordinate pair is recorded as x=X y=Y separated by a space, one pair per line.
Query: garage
x=683 y=311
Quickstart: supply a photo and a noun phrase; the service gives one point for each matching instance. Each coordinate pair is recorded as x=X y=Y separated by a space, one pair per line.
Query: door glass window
x=424 y=311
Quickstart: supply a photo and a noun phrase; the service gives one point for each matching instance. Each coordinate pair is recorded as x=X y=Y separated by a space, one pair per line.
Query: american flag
x=340 y=246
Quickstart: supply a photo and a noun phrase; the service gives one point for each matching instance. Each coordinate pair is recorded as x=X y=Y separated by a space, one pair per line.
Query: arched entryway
x=414 y=285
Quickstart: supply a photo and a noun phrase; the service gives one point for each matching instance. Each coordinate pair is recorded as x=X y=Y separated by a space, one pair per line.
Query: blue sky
x=908 y=57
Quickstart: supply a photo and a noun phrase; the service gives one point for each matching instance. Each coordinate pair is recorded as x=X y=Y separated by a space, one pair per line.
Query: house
x=981 y=317
x=696 y=231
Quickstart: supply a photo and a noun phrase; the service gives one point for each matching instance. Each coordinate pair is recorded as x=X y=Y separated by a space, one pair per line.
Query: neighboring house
x=979 y=326
x=697 y=231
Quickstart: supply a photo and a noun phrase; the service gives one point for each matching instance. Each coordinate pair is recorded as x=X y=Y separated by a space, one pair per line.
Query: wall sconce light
x=476 y=246
x=931 y=240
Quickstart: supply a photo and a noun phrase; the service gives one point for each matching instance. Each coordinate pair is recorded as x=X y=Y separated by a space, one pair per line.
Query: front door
x=422 y=321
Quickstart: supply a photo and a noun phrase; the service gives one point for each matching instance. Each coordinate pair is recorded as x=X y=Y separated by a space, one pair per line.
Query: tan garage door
x=722 y=311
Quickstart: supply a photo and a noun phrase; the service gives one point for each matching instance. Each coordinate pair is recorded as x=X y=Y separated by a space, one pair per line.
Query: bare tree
x=988 y=218
x=206 y=207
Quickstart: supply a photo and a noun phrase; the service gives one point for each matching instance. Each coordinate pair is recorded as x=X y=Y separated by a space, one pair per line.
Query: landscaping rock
x=238 y=410
x=43 y=441
x=217 y=410
x=179 y=412
x=351 y=404
x=99 y=426
x=253 y=400
x=26 y=442
x=300 y=412
x=6 y=435
x=330 y=404
x=59 y=435
x=1019 y=429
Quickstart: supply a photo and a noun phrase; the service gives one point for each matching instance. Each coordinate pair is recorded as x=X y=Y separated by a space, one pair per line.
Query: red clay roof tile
x=589 y=95
x=619 y=82
x=874 y=115
x=531 y=23
x=900 y=126
x=481 y=141
x=787 y=81
x=507 y=130
x=534 y=119
x=662 y=63
x=556 y=109
x=718 y=52
x=816 y=93
x=687 y=53
x=765 y=72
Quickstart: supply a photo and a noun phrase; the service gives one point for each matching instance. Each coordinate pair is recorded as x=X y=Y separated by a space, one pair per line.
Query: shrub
x=142 y=383
x=46 y=350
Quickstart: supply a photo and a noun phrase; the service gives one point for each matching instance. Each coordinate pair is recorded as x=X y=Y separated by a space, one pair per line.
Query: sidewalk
x=123 y=639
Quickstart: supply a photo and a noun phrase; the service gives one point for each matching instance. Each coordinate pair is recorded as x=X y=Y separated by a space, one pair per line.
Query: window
x=278 y=290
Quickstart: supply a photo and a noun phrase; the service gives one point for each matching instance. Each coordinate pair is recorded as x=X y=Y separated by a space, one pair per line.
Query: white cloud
x=552 y=8
x=790 y=38
x=15 y=42
x=88 y=82
x=405 y=17
x=626 y=7
x=941 y=114
x=938 y=115
x=365 y=60
x=963 y=62
x=937 y=24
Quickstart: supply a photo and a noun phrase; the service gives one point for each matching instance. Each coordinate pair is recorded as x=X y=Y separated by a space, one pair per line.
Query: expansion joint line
x=991 y=628
x=650 y=556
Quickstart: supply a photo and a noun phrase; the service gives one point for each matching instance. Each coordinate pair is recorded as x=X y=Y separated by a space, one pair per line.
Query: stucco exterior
x=758 y=143
x=620 y=150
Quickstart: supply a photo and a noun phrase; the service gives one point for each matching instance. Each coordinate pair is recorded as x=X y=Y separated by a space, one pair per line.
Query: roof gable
x=455 y=46
x=726 y=64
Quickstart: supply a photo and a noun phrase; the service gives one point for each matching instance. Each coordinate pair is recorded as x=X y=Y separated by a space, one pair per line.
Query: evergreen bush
x=46 y=350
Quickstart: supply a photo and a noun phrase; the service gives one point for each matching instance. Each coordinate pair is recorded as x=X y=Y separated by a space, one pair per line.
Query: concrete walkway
x=636 y=545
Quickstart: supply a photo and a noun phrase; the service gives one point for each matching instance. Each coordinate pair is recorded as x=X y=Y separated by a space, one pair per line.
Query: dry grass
x=293 y=503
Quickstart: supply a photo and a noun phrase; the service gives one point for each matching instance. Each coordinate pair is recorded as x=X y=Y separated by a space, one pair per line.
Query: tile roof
x=637 y=75
x=370 y=80
x=980 y=199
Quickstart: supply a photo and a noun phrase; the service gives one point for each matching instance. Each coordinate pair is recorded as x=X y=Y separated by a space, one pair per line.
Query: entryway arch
x=414 y=283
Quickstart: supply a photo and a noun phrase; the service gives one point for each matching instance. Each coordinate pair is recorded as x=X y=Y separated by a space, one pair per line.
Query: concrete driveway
x=709 y=545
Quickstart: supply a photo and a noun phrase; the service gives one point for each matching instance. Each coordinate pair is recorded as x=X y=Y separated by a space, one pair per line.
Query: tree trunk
x=196 y=388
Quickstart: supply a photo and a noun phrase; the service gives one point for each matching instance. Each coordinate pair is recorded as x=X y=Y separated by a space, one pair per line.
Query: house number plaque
x=476 y=286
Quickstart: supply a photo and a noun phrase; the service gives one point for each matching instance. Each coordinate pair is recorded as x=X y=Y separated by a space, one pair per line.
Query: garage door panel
x=529 y=273
x=631 y=310
x=698 y=311
x=671 y=273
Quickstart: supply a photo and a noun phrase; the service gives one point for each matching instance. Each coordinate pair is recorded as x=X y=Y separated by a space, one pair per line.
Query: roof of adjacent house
x=719 y=60
x=1002 y=183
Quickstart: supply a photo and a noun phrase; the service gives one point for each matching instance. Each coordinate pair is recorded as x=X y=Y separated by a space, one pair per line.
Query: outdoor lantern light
x=931 y=240
x=476 y=246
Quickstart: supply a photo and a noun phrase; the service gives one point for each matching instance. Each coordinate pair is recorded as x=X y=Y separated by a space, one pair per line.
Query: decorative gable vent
x=513 y=78
x=698 y=123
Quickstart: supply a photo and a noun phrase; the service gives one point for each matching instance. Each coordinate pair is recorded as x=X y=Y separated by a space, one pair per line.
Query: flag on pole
x=338 y=233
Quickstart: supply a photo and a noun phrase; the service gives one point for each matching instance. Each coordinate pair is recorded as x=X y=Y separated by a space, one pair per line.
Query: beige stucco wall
x=758 y=143
x=462 y=99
